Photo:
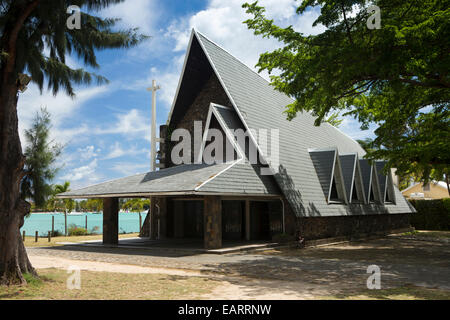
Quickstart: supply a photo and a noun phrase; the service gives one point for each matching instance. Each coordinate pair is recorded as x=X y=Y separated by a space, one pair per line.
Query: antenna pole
x=153 y=89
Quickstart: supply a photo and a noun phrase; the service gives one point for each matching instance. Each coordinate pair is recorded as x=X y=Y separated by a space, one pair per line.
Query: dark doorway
x=265 y=219
x=193 y=219
x=233 y=220
x=185 y=219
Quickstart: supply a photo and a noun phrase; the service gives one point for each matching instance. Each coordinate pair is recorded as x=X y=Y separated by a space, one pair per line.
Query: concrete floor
x=184 y=245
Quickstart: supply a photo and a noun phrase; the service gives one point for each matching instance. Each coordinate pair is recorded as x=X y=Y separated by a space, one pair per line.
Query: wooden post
x=86 y=223
x=111 y=221
x=65 y=223
x=140 y=223
x=247 y=220
x=23 y=235
x=36 y=236
x=49 y=236
x=212 y=222
x=53 y=224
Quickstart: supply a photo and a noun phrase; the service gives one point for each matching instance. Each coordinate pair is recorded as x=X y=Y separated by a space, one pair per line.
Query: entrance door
x=193 y=219
x=233 y=220
x=265 y=219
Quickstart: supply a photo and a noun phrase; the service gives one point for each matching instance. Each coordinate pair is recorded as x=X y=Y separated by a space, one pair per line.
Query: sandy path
x=229 y=288
x=44 y=262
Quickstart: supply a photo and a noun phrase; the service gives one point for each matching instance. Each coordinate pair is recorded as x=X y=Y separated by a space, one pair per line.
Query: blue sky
x=106 y=129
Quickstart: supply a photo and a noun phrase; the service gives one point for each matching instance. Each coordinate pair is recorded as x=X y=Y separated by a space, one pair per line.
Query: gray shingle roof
x=260 y=106
x=348 y=168
x=323 y=161
x=183 y=178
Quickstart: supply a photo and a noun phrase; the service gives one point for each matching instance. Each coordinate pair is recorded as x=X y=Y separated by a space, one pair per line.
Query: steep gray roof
x=348 y=168
x=323 y=161
x=260 y=106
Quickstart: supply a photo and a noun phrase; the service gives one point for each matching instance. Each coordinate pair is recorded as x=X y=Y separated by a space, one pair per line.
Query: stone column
x=111 y=221
x=247 y=220
x=212 y=222
x=163 y=218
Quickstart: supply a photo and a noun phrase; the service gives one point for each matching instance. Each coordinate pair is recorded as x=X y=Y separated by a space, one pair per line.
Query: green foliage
x=63 y=205
x=431 y=214
x=56 y=233
x=40 y=157
x=91 y=205
x=136 y=205
x=396 y=76
x=44 y=40
x=73 y=230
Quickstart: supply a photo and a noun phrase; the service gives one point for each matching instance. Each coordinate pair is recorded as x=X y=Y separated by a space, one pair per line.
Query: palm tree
x=35 y=39
x=67 y=203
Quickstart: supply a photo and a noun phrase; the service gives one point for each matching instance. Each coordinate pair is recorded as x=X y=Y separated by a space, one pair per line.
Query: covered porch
x=212 y=220
x=211 y=204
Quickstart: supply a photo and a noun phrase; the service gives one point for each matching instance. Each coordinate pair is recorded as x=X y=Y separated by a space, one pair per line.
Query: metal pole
x=153 y=89
x=53 y=224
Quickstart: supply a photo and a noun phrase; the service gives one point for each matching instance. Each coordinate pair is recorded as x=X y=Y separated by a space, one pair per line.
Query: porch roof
x=195 y=179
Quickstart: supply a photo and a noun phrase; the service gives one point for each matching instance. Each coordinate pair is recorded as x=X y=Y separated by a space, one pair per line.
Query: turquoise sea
x=42 y=222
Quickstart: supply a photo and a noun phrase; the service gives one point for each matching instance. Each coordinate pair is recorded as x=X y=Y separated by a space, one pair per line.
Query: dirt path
x=229 y=287
x=45 y=262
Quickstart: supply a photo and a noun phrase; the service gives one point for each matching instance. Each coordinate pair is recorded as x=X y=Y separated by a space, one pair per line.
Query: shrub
x=431 y=214
x=77 y=231
x=56 y=233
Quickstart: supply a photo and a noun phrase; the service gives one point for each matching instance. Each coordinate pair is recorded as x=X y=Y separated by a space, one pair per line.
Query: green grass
x=43 y=242
x=51 y=285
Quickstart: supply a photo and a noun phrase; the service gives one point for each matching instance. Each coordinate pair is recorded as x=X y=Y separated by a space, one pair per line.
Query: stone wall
x=212 y=92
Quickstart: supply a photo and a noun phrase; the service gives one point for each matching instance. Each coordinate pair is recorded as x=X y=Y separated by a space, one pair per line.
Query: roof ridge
x=242 y=63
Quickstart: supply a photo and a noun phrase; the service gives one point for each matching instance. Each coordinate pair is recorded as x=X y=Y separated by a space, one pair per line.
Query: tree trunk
x=13 y=256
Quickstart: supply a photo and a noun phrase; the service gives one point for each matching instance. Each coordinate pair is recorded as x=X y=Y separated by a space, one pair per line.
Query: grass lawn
x=111 y=286
x=433 y=234
x=409 y=292
x=43 y=242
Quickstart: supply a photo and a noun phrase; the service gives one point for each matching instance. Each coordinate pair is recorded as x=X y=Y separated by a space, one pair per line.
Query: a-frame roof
x=258 y=105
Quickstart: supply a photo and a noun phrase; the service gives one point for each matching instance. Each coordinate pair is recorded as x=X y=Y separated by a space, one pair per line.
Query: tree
x=34 y=38
x=396 y=76
x=40 y=157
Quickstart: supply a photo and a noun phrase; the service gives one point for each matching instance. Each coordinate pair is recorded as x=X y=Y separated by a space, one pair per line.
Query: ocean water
x=42 y=222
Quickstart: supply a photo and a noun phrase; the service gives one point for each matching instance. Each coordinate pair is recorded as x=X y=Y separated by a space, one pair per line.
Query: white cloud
x=60 y=106
x=87 y=153
x=131 y=124
x=130 y=168
x=83 y=172
x=142 y=14
x=222 y=22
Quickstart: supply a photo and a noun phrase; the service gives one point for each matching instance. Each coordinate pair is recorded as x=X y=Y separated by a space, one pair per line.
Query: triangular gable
x=329 y=171
x=352 y=178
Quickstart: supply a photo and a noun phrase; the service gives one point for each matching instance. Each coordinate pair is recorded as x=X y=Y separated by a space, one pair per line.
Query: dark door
x=193 y=219
x=233 y=220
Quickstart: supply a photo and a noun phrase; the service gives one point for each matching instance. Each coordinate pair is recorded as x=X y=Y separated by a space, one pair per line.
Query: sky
x=106 y=129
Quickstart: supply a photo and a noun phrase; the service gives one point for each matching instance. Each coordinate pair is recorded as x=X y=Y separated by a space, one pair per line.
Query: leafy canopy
x=41 y=155
x=44 y=40
x=396 y=76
